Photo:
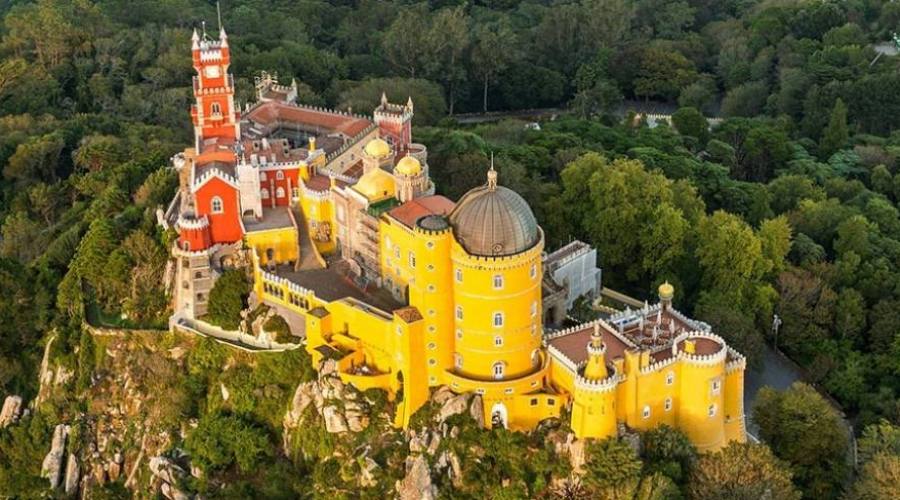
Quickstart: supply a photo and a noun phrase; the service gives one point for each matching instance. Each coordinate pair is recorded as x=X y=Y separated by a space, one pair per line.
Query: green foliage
x=836 y=135
x=227 y=299
x=668 y=451
x=741 y=471
x=221 y=441
x=690 y=122
x=803 y=429
x=612 y=469
x=277 y=325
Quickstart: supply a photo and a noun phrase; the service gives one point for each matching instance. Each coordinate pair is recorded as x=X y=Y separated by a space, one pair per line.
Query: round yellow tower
x=496 y=259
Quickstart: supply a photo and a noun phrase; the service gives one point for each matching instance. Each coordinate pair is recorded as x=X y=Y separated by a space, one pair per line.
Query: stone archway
x=499 y=416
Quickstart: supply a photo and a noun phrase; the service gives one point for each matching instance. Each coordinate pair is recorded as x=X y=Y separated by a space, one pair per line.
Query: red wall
x=226 y=226
x=272 y=184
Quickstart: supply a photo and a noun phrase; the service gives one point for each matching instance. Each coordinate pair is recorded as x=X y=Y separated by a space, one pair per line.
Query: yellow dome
x=377 y=148
x=408 y=166
x=376 y=185
x=666 y=291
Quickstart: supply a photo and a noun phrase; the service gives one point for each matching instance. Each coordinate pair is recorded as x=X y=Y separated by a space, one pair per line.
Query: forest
x=774 y=190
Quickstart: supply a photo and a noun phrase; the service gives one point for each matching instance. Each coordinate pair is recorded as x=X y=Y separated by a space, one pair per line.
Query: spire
x=195 y=40
x=596 y=364
x=409 y=104
x=203 y=26
x=384 y=100
x=492 y=175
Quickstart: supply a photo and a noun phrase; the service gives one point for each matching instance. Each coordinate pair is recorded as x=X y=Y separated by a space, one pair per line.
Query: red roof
x=413 y=210
x=272 y=111
x=574 y=345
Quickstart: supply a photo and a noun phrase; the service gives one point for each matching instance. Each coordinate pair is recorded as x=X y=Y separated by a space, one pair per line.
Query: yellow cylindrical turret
x=596 y=364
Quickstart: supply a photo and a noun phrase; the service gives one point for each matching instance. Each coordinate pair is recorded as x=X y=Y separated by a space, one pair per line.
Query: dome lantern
x=493 y=221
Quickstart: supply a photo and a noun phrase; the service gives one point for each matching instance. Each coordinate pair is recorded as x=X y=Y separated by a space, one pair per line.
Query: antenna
x=219 y=14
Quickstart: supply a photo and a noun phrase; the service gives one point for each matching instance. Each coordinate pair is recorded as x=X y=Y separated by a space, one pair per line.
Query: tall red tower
x=214 y=114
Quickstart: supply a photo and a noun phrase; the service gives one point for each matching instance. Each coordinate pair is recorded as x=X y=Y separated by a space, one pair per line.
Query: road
x=775 y=372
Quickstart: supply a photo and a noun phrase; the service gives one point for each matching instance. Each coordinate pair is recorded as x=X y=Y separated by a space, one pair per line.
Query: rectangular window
x=668 y=404
x=498 y=281
x=670 y=378
x=459 y=313
x=534 y=402
x=498 y=320
x=712 y=410
x=459 y=275
x=498 y=341
x=533 y=309
x=533 y=271
x=412 y=260
x=716 y=386
x=646 y=413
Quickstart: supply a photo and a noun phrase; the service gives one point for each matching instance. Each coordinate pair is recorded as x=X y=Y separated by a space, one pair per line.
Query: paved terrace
x=334 y=283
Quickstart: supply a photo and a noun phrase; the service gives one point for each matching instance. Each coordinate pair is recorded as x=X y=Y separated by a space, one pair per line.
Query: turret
x=666 y=294
x=596 y=364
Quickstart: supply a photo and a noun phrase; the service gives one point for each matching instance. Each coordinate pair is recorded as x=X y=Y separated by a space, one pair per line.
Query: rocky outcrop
x=416 y=485
x=52 y=465
x=476 y=410
x=454 y=405
x=168 y=473
x=73 y=475
x=566 y=445
x=12 y=410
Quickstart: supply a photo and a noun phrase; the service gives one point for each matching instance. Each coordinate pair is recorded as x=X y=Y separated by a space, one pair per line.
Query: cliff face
x=161 y=413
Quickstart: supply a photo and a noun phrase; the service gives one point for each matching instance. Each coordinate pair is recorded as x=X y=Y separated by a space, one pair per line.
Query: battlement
x=214 y=173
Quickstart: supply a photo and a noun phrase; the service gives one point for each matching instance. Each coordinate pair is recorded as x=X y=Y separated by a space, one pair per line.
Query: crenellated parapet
x=214 y=173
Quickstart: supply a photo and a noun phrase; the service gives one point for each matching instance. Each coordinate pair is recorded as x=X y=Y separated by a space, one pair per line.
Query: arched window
x=459 y=313
x=262 y=177
x=498 y=340
x=646 y=413
x=498 y=370
x=498 y=319
x=279 y=193
x=216 y=109
x=668 y=404
x=458 y=360
x=498 y=281
x=459 y=275
x=279 y=176
x=216 y=205
x=264 y=193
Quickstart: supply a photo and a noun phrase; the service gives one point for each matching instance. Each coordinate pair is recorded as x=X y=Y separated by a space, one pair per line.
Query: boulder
x=73 y=475
x=453 y=406
x=367 y=473
x=165 y=469
x=477 y=410
x=434 y=443
x=416 y=442
x=417 y=483
x=52 y=465
x=455 y=470
x=225 y=393
x=12 y=410
x=442 y=394
x=334 y=421
x=329 y=366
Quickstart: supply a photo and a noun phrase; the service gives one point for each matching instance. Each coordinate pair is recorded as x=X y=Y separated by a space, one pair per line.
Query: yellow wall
x=476 y=298
x=283 y=243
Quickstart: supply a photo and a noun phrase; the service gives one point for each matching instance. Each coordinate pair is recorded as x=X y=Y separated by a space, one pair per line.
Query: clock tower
x=214 y=113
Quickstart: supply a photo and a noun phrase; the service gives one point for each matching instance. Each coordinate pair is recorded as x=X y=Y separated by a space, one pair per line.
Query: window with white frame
x=397 y=251
x=498 y=319
x=533 y=272
x=264 y=193
x=646 y=412
x=279 y=175
x=534 y=309
x=459 y=333
x=412 y=260
x=432 y=346
x=279 y=193
x=216 y=205
x=458 y=360
x=459 y=275
x=295 y=192
x=498 y=341
x=216 y=109
x=670 y=378
x=498 y=281
x=262 y=177
x=716 y=386
x=498 y=370
x=459 y=313
x=712 y=410
x=668 y=404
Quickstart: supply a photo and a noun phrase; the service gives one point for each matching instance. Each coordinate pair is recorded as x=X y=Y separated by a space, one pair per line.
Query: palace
x=406 y=290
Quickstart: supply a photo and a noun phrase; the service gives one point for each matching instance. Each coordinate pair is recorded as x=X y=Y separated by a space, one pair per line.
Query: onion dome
x=378 y=148
x=492 y=221
x=408 y=166
x=666 y=291
x=376 y=185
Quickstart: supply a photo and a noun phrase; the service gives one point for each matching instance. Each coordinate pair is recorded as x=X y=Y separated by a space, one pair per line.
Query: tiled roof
x=411 y=211
x=270 y=112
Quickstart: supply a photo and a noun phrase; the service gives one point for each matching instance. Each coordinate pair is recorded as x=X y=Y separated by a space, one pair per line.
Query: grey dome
x=493 y=221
